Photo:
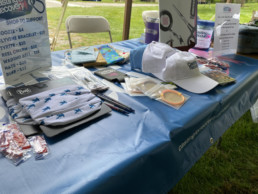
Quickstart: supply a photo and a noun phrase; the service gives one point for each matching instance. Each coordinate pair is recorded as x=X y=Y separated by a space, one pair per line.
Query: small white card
x=226 y=28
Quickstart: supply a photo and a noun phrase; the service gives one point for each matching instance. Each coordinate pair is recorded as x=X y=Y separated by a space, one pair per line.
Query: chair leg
x=110 y=36
x=69 y=38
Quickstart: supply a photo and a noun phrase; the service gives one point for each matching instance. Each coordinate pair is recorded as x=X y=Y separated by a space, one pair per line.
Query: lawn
x=230 y=168
x=115 y=16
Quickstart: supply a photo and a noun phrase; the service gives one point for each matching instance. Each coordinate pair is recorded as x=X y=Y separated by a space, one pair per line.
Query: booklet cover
x=178 y=23
x=219 y=77
x=23 y=91
x=111 y=74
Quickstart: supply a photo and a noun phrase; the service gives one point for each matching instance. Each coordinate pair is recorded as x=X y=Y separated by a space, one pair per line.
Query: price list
x=226 y=28
x=24 y=45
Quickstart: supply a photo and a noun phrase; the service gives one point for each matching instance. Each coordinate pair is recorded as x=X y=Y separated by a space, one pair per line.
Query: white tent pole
x=64 y=5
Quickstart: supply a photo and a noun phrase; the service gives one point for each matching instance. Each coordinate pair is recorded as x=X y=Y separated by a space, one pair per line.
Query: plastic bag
x=14 y=145
x=167 y=95
x=40 y=147
x=164 y=93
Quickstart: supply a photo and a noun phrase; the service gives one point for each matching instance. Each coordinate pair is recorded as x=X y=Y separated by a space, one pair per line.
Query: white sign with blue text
x=226 y=28
x=24 y=39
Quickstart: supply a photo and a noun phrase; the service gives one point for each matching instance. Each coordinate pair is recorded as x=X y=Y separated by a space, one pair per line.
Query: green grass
x=115 y=16
x=231 y=168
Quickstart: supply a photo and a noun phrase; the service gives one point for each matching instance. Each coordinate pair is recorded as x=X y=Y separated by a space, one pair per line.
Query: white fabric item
x=60 y=106
x=154 y=57
x=18 y=113
x=182 y=69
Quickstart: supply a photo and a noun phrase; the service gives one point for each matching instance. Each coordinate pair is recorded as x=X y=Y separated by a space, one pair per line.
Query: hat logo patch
x=192 y=65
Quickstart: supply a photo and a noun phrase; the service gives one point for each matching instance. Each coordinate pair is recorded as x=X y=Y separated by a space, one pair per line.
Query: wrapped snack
x=18 y=137
x=4 y=139
x=39 y=145
x=15 y=154
x=14 y=144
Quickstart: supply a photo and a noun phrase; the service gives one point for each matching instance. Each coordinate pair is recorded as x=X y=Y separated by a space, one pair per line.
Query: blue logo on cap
x=192 y=65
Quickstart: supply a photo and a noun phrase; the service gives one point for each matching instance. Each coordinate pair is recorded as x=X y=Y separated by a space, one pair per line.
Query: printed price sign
x=226 y=28
x=24 y=40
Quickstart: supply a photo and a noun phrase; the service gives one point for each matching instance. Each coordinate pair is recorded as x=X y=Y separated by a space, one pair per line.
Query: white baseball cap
x=182 y=69
x=154 y=57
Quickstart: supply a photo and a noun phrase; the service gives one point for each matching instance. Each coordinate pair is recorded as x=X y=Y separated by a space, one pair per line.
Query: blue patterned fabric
x=61 y=106
x=19 y=114
x=136 y=57
x=110 y=55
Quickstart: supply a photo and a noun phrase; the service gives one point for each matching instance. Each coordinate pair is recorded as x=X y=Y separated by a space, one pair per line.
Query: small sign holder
x=24 y=40
x=226 y=28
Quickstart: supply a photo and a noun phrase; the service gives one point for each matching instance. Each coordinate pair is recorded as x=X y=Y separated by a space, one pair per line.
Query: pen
x=116 y=108
x=114 y=102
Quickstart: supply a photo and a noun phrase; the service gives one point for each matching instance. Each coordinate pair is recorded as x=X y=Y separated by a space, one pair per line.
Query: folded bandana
x=83 y=55
x=60 y=106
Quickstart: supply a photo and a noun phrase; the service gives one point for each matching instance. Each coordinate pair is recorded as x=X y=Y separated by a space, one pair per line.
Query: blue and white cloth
x=18 y=113
x=60 y=106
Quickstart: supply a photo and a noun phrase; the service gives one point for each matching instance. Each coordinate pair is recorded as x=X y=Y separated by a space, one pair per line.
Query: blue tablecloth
x=145 y=152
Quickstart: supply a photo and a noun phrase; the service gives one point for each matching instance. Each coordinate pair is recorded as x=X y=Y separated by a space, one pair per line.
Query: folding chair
x=86 y=24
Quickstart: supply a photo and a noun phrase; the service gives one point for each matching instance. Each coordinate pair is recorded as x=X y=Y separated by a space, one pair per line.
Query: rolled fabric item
x=83 y=55
x=182 y=69
x=136 y=57
x=155 y=56
x=60 y=106
x=18 y=113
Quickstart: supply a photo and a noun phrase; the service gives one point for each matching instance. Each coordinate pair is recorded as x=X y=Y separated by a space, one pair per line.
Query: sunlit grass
x=115 y=16
x=231 y=168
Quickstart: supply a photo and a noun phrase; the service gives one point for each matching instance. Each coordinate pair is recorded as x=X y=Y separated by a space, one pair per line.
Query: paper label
x=24 y=40
x=204 y=38
x=226 y=28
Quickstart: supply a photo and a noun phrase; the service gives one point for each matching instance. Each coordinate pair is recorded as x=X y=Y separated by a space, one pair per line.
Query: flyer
x=226 y=28
x=24 y=39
